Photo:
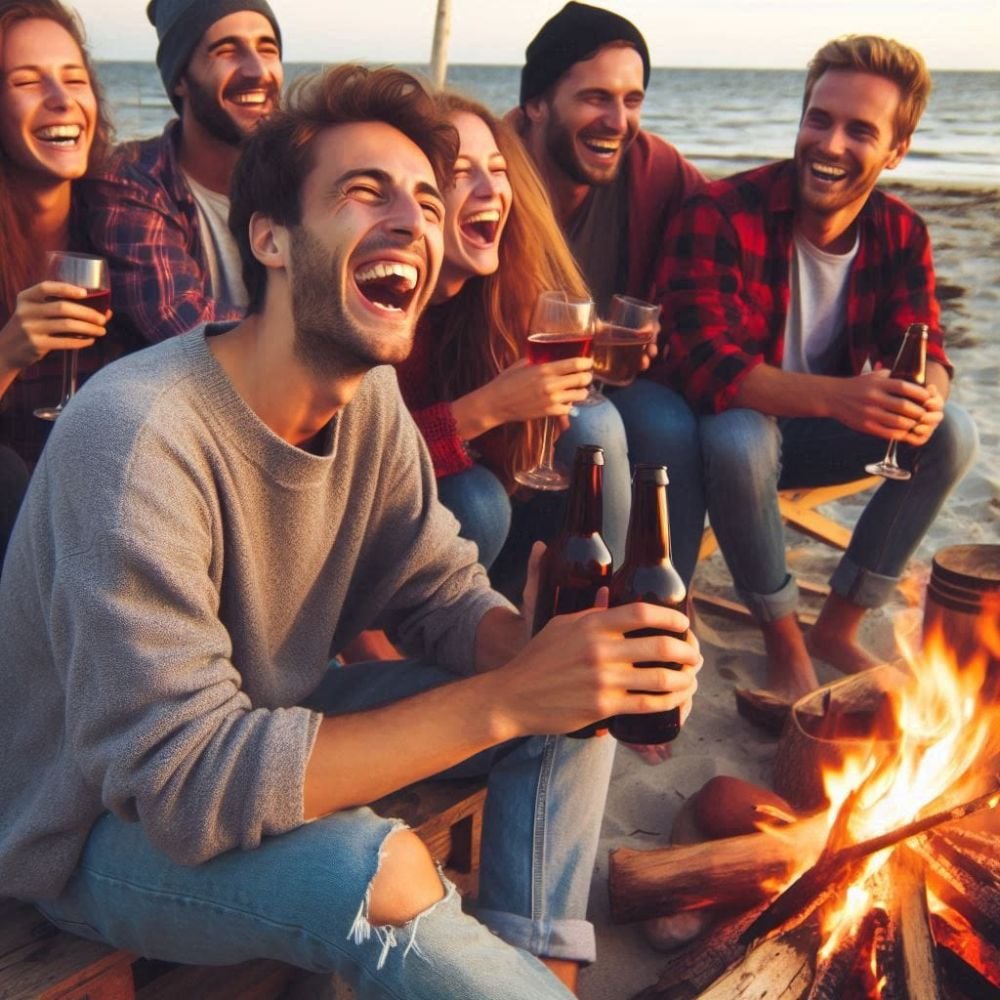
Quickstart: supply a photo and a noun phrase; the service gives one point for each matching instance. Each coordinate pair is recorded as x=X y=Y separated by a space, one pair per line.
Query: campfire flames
x=940 y=759
x=891 y=892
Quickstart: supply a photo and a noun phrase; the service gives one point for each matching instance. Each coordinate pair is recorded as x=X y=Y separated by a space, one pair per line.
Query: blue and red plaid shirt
x=723 y=284
x=142 y=217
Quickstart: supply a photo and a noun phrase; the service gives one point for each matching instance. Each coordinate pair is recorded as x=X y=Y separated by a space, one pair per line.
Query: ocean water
x=724 y=120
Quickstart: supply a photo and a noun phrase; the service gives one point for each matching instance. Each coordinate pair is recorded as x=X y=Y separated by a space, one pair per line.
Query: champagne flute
x=563 y=327
x=87 y=272
x=620 y=343
x=910 y=365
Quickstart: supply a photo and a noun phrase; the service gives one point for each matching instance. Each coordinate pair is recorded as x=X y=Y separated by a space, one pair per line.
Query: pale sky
x=951 y=34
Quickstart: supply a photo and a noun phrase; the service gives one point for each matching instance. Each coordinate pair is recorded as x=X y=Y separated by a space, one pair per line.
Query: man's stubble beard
x=560 y=143
x=327 y=340
x=203 y=106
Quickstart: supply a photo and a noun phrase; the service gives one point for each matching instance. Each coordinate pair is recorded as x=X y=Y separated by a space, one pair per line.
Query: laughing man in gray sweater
x=213 y=518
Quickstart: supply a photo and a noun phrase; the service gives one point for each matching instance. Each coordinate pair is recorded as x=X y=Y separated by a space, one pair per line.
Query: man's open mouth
x=388 y=284
x=256 y=97
x=482 y=227
x=826 y=172
x=601 y=146
x=66 y=136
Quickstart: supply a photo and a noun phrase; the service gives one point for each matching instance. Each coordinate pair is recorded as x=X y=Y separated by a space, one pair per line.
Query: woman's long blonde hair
x=485 y=326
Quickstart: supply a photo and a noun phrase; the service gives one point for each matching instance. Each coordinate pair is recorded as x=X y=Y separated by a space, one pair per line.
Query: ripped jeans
x=301 y=897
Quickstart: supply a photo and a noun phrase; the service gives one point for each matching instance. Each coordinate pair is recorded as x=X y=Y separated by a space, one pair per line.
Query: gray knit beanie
x=571 y=36
x=180 y=25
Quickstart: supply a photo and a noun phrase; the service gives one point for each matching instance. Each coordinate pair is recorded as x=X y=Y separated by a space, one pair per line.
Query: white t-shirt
x=817 y=287
x=221 y=252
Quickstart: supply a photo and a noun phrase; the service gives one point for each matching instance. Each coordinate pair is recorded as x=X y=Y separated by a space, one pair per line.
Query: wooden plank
x=447 y=815
x=734 y=609
x=261 y=979
x=64 y=967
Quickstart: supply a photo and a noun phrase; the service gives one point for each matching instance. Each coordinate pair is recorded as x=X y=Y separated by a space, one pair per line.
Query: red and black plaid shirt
x=723 y=283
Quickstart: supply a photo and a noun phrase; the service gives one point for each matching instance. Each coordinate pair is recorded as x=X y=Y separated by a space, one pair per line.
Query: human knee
x=601 y=425
x=407 y=882
x=479 y=501
x=955 y=442
x=740 y=445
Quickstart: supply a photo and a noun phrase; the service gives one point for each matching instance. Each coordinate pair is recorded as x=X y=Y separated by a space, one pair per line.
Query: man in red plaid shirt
x=786 y=291
x=159 y=214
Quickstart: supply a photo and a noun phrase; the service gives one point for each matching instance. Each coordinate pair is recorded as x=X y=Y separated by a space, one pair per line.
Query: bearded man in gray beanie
x=159 y=212
x=614 y=187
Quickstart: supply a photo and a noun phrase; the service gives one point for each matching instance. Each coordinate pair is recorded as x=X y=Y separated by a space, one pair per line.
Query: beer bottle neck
x=585 y=507
x=648 y=540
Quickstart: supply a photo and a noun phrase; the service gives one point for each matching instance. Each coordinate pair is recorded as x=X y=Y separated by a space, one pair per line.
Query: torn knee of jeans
x=389 y=935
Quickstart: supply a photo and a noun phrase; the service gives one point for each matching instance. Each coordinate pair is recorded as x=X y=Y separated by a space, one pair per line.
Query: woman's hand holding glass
x=562 y=328
x=72 y=310
x=46 y=318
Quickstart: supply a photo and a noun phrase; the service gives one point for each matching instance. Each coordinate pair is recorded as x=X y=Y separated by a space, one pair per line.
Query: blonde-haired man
x=786 y=291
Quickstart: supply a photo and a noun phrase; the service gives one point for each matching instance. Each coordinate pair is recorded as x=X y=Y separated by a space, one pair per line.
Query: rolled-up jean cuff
x=861 y=586
x=573 y=940
x=770 y=607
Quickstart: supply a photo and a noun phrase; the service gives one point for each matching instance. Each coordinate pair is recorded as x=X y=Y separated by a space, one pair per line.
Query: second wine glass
x=86 y=272
x=621 y=341
x=562 y=327
x=911 y=366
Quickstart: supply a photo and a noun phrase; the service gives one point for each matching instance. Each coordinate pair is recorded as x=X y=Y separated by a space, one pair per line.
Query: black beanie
x=569 y=37
x=180 y=25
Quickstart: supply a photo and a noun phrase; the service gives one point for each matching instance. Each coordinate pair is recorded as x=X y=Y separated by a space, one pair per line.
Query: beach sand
x=644 y=799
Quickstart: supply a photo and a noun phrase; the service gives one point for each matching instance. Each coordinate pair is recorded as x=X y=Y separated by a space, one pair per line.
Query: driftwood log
x=732 y=873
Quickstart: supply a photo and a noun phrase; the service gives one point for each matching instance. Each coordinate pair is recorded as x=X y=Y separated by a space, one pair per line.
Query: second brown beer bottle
x=648 y=575
x=577 y=562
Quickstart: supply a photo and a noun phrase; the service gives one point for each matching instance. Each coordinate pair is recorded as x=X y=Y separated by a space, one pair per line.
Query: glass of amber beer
x=621 y=340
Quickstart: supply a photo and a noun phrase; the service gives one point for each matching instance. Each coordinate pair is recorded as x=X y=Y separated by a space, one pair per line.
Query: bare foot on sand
x=834 y=637
x=790 y=672
x=840 y=651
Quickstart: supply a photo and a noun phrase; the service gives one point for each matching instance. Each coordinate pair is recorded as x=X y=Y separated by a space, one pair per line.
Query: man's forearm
x=360 y=757
x=500 y=636
x=779 y=393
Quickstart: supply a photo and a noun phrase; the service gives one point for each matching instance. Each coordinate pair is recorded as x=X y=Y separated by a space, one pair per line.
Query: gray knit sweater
x=177 y=581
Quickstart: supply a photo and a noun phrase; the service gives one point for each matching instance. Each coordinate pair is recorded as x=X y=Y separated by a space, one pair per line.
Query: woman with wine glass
x=469 y=382
x=52 y=132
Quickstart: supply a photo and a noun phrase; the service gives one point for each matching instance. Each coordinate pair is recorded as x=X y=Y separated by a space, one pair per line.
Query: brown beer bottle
x=648 y=575
x=577 y=562
x=911 y=361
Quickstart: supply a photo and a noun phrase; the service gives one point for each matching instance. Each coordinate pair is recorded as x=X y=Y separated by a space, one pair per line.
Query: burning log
x=970 y=856
x=835 y=971
x=969 y=963
x=696 y=966
x=836 y=868
x=914 y=956
x=977 y=902
x=781 y=967
x=731 y=873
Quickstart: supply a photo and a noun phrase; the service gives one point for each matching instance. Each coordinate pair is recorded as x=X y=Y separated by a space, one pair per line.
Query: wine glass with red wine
x=562 y=327
x=910 y=365
x=86 y=272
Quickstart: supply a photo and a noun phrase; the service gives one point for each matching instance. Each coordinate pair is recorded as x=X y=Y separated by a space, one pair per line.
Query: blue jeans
x=662 y=430
x=749 y=457
x=541 y=515
x=478 y=499
x=302 y=897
